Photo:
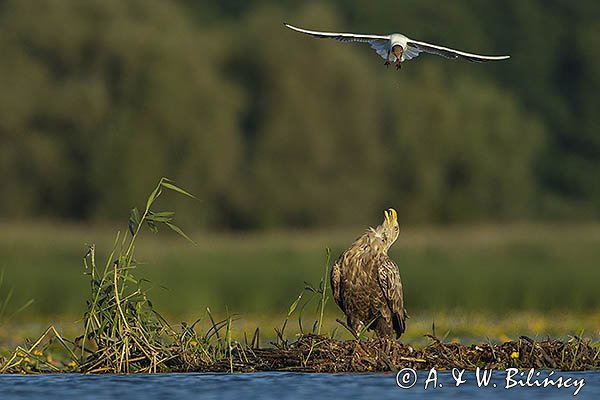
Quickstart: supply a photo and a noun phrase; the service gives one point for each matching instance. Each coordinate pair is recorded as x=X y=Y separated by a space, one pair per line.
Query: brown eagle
x=366 y=282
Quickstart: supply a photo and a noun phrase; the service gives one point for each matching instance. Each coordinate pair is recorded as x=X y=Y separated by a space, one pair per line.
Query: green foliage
x=100 y=93
x=464 y=159
x=126 y=332
x=319 y=136
x=270 y=128
x=122 y=331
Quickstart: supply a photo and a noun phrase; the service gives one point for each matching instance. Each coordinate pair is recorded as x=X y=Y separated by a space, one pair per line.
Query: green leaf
x=165 y=216
x=164 y=213
x=178 y=230
x=171 y=186
x=24 y=306
x=134 y=220
x=135 y=215
x=295 y=304
x=153 y=196
x=152 y=225
x=309 y=287
x=6 y=301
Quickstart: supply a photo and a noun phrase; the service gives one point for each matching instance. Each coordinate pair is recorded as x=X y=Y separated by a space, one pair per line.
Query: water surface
x=280 y=385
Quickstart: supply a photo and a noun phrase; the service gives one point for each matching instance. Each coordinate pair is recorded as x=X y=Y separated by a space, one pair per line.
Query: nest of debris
x=313 y=353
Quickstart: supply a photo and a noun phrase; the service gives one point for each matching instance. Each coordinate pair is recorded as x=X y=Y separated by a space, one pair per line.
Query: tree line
x=270 y=128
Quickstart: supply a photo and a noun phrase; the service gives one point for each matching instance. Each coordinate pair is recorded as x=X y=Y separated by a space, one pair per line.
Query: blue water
x=279 y=385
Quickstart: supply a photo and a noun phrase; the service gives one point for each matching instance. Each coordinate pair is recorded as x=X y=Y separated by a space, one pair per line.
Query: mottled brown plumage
x=366 y=282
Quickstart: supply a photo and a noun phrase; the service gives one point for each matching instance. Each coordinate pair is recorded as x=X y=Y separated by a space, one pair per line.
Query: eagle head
x=389 y=230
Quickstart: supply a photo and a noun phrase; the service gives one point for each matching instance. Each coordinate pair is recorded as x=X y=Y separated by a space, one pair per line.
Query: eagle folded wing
x=336 y=284
x=389 y=280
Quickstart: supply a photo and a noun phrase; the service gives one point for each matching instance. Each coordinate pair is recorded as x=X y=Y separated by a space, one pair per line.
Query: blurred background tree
x=270 y=128
x=101 y=97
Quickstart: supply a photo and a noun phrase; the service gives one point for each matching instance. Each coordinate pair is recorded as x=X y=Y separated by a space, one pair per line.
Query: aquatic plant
x=320 y=293
x=122 y=331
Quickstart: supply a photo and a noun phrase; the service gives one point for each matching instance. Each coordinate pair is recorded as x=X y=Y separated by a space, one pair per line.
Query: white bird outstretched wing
x=379 y=43
x=381 y=47
x=415 y=47
x=341 y=37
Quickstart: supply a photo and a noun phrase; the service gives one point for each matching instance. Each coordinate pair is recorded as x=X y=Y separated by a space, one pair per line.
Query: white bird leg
x=398 y=51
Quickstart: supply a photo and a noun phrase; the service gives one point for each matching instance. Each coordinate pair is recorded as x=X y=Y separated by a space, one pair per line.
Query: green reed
x=122 y=331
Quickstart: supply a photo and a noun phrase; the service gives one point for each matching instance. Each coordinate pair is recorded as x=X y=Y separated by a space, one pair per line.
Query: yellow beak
x=391 y=215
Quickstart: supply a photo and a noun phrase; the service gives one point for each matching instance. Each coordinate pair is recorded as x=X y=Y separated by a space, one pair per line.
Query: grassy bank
x=482 y=284
x=452 y=326
x=543 y=268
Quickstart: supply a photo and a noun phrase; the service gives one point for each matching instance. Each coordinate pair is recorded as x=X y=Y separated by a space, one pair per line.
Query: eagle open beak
x=391 y=215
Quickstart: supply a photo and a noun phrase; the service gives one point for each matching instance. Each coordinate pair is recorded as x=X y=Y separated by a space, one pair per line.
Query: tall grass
x=122 y=331
x=320 y=293
x=5 y=313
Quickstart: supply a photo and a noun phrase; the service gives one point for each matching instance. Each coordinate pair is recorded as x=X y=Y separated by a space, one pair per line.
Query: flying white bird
x=398 y=46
